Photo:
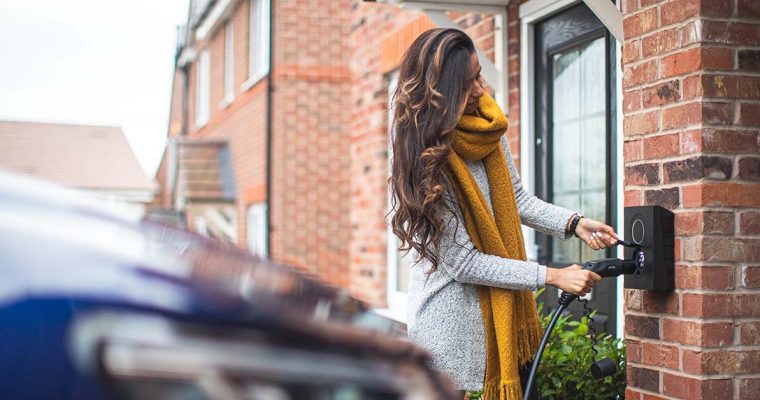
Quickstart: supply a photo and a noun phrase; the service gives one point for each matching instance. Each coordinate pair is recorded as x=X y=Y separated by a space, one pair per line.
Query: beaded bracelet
x=574 y=224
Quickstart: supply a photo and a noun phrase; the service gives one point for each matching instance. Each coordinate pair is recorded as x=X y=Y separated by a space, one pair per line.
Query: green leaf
x=564 y=369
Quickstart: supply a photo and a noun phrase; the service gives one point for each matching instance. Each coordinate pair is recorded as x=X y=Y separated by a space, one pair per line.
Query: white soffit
x=610 y=16
x=492 y=3
x=499 y=3
x=219 y=11
x=187 y=56
x=482 y=6
x=605 y=10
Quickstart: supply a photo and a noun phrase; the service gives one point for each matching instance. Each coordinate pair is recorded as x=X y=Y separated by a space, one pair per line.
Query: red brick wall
x=163 y=198
x=175 y=108
x=370 y=24
x=691 y=99
x=513 y=83
x=310 y=154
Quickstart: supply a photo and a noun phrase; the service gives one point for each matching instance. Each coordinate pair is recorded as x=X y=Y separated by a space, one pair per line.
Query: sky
x=98 y=62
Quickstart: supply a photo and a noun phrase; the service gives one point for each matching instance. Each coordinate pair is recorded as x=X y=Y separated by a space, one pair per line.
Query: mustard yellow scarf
x=511 y=322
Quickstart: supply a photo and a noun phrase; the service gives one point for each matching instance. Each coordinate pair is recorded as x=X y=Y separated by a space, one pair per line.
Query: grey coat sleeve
x=534 y=212
x=466 y=264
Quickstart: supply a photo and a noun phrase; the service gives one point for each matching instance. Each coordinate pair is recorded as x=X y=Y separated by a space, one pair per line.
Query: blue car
x=96 y=302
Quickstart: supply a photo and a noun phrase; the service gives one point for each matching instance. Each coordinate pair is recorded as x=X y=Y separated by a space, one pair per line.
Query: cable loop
x=587 y=311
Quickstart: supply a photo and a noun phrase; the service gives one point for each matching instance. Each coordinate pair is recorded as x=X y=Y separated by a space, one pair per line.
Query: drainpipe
x=270 y=91
x=185 y=98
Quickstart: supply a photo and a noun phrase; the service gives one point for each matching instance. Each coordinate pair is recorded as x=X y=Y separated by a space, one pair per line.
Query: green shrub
x=564 y=372
x=565 y=369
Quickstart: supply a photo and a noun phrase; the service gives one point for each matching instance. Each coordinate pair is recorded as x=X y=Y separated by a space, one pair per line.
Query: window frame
x=543 y=167
x=200 y=225
x=229 y=64
x=396 y=299
x=202 y=88
x=257 y=214
x=258 y=41
x=530 y=13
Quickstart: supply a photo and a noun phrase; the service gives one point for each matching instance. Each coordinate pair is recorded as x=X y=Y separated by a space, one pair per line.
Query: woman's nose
x=477 y=91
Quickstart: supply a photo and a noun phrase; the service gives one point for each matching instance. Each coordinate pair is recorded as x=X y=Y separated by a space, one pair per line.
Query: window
x=228 y=63
x=257 y=230
x=202 y=89
x=258 y=40
x=201 y=226
x=398 y=263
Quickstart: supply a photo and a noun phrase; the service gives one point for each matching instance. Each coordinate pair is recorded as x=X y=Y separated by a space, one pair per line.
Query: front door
x=575 y=140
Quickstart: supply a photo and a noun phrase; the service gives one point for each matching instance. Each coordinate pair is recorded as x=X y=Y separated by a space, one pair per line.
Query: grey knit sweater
x=444 y=311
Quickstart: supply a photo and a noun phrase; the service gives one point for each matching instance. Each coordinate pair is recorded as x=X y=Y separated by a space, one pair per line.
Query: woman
x=470 y=294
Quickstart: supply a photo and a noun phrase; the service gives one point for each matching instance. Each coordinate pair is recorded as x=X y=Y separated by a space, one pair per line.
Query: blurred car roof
x=58 y=244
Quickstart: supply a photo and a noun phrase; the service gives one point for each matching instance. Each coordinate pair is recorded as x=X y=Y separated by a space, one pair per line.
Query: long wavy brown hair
x=434 y=78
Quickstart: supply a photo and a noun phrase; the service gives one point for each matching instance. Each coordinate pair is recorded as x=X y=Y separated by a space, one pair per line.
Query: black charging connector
x=626 y=243
x=606 y=268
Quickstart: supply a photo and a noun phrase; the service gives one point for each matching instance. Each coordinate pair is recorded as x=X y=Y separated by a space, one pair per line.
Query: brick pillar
x=310 y=137
x=691 y=109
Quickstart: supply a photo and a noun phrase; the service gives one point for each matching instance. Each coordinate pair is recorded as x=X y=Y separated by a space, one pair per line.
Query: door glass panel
x=578 y=156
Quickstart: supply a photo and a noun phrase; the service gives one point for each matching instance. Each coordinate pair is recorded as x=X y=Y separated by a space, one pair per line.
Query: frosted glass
x=578 y=129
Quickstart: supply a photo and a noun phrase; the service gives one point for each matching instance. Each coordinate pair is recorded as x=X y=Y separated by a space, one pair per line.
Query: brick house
x=646 y=102
x=94 y=160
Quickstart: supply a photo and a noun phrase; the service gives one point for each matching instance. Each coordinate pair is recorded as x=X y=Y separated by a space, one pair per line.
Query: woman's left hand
x=596 y=234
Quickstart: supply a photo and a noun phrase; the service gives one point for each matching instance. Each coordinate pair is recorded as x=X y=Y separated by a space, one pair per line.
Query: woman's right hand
x=573 y=279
